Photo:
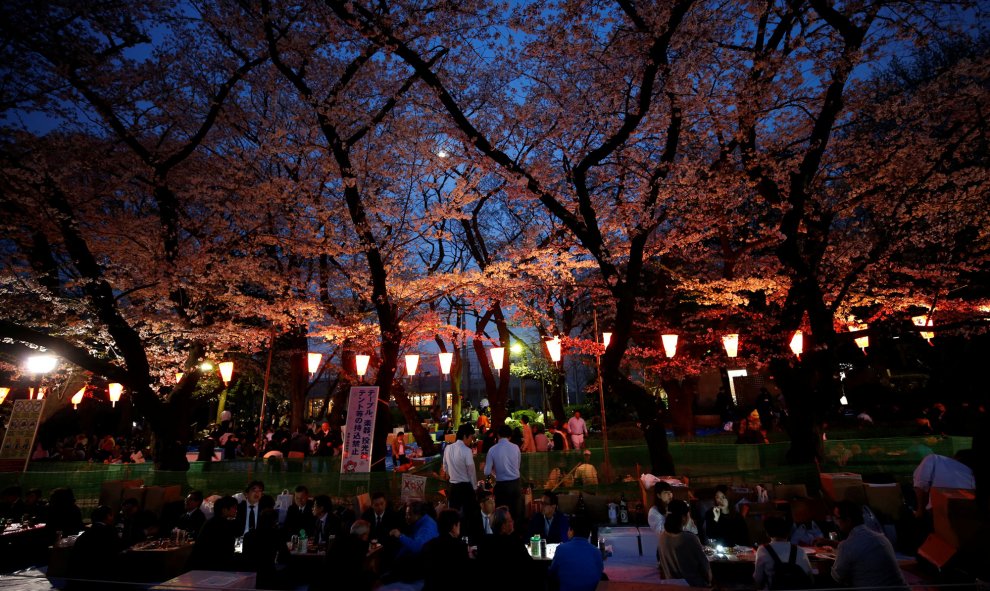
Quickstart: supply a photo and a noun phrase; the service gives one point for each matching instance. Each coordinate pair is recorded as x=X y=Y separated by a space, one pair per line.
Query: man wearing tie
x=478 y=524
x=325 y=523
x=551 y=524
x=383 y=520
x=247 y=510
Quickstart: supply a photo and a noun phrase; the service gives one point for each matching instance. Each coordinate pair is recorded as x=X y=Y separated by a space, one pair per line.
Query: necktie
x=378 y=520
x=488 y=528
x=250 y=517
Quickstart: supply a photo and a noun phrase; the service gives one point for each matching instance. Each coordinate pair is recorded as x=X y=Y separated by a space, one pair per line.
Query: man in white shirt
x=937 y=471
x=578 y=429
x=458 y=466
x=503 y=459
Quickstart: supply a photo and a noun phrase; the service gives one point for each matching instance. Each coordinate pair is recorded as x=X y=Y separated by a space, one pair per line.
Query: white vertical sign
x=362 y=407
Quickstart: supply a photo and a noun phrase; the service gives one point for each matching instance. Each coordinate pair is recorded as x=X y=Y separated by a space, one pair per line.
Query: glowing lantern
x=3 y=394
x=669 y=344
x=553 y=348
x=313 y=361
x=797 y=343
x=498 y=357
x=844 y=401
x=731 y=344
x=606 y=339
x=40 y=392
x=924 y=322
x=412 y=362
x=445 y=360
x=115 y=392
x=864 y=341
x=178 y=376
x=38 y=364
x=361 y=364
x=78 y=396
x=226 y=371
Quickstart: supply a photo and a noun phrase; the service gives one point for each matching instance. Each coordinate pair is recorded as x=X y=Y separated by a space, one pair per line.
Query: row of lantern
x=114 y=390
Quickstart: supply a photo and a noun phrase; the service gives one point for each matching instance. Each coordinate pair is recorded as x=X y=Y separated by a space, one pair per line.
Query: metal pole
x=607 y=466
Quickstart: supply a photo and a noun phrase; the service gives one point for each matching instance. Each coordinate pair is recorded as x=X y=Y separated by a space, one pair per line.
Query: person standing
x=528 y=443
x=503 y=460
x=864 y=558
x=578 y=430
x=458 y=466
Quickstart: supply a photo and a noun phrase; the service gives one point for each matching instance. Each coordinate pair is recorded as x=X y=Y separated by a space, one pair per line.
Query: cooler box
x=844 y=486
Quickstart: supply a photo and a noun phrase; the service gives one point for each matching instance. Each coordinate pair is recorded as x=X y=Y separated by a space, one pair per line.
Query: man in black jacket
x=95 y=551
x=214 y=548
x=299 y=515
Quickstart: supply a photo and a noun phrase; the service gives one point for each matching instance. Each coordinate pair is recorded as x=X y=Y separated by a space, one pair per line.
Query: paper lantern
x=862 y=342
x=498 y=357
x=924 y=321
x=553 y=348
x=446 y=359
x=178 y=376
x=669 y=344
x=361 y=364
x=115 y=392
x=78 y=396
x=226 y=371
x=41 y=392
x=3 y=394
x=797 y=343
x=412 y=362
x=606 y=339
x=313 y=361
x=731 y=344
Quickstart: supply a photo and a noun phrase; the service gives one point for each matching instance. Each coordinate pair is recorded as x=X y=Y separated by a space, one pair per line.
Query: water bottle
x=613 y=514
x=534 y=546
x=303 y=542
x=623 y=510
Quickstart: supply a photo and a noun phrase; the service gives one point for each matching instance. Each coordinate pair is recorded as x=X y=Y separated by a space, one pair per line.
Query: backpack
x=788 y=575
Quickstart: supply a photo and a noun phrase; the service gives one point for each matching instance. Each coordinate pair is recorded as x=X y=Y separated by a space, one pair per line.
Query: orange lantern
x=115 y=391
x=412 y=362
x=731 y=344
x=361 y=364
x=797 y=343
x=78 y=396
x=313 y=361
x=226 y=371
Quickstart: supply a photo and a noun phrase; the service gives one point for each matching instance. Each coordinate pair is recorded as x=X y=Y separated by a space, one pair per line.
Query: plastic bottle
x=623 y=510
x=303 y=542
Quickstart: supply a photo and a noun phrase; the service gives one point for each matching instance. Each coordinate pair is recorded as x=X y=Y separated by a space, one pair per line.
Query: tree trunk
x=681 y=395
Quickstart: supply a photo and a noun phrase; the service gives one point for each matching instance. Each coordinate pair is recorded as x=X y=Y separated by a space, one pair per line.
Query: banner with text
x=362 y=407
x=18 y=442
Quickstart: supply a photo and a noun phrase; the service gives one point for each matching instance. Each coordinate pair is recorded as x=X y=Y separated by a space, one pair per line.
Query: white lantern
x=924 y=321
x=313 y=361
x=553 y=348
x=78 y=396
x=731 y=344
x=606 y=339
x=178 y=376
x=412 y=362
x=446 y=359
x=226 y=371
x=498 y=357
x=3 y=394
x=797 y=343
x=669 y=344
x=361 y=364
x=115 y=391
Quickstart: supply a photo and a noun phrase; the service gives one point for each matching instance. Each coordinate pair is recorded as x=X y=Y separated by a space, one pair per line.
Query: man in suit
x=381 y=520
x=193 y=518
x=551 y=524
x=325 y=521
x=478 y=523
x=299 y=515
x=214 y=547
x=95 y=550
x=248 y=509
